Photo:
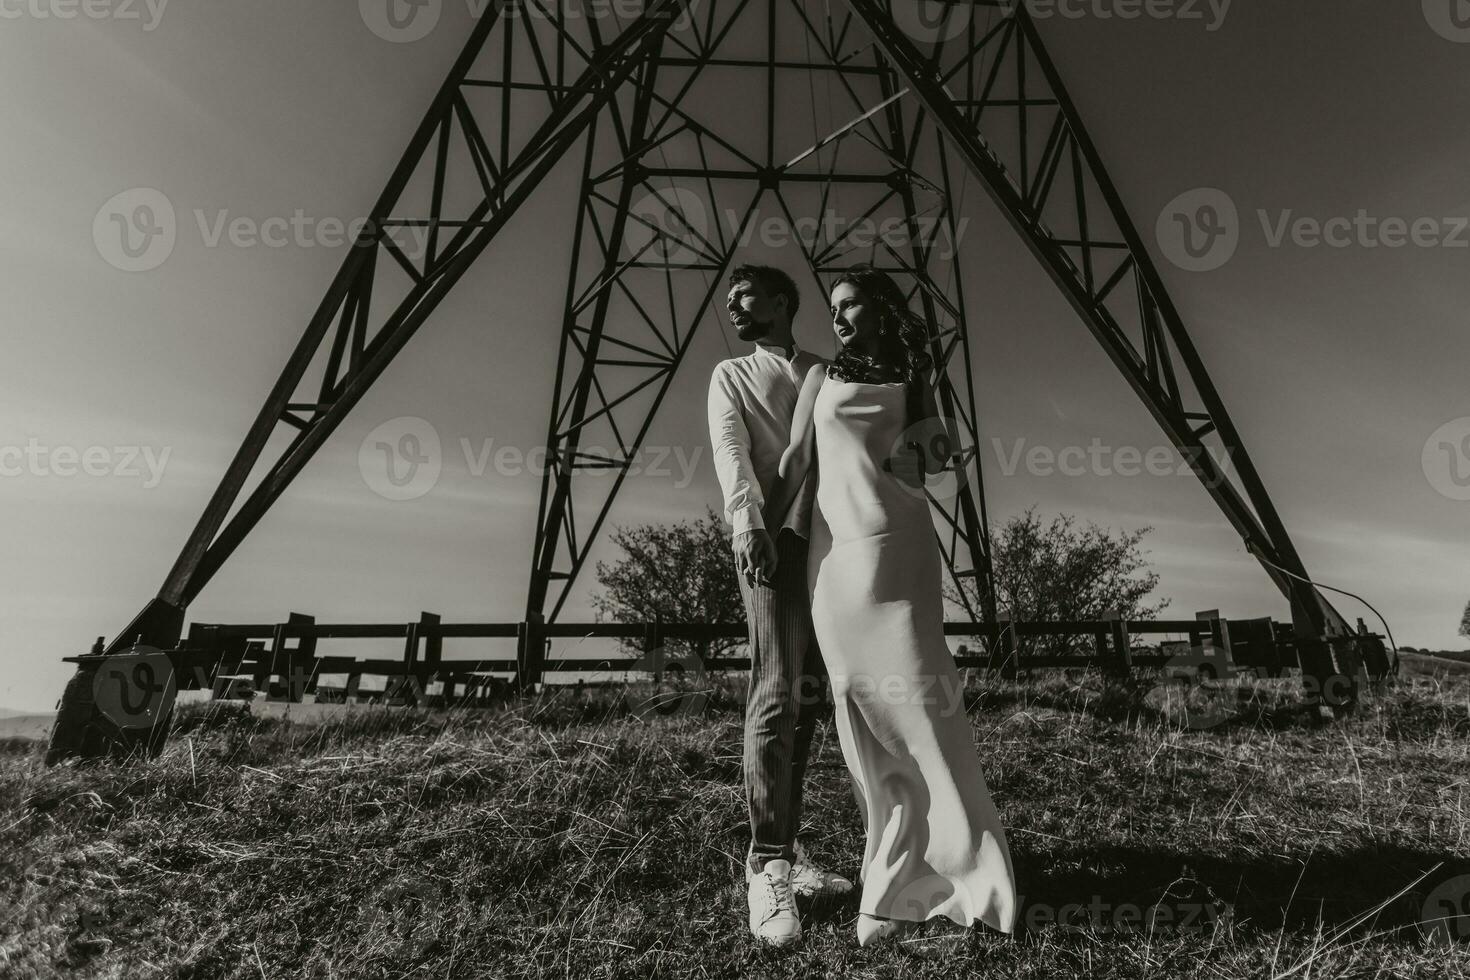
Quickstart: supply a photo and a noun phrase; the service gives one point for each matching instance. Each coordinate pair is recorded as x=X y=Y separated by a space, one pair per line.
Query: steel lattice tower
x=919 y=93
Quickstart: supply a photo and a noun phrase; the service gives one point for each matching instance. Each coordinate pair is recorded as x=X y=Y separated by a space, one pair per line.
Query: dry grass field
x=565 y=836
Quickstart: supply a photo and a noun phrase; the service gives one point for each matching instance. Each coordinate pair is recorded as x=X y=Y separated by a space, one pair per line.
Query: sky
x=1342 y=361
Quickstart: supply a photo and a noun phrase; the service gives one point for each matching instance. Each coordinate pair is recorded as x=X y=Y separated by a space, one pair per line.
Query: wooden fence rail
x=281 y=660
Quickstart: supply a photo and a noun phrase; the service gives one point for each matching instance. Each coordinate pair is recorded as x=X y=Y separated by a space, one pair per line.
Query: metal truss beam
x=564 y=76
x=998 y=97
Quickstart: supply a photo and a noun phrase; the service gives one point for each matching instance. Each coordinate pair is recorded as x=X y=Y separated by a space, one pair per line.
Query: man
x=751 y=402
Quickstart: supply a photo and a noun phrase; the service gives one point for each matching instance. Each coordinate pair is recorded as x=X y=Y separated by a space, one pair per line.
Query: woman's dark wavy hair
x=903 y=336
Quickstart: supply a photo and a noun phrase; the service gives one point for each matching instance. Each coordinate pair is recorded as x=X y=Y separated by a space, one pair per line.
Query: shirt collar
x=773 y=352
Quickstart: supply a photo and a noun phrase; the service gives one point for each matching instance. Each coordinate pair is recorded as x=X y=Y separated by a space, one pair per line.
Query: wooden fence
x=281 y=660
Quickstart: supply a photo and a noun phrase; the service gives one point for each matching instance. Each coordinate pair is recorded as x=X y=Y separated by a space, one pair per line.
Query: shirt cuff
x=746 y=520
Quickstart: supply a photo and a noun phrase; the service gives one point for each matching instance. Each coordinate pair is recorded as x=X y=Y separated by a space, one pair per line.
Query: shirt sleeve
x=731 y=443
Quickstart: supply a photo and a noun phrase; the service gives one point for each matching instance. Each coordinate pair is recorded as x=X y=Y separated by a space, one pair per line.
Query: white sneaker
x=807 y=879
x=772 y=906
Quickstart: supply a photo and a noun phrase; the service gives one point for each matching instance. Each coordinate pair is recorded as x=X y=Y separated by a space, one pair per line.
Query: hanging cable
x=1317 y=585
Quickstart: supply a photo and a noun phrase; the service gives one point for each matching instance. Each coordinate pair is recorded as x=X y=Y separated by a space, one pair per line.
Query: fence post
x=1217 y=648
x=290 y=664
x=428 y=633
x=409 y=672
x=304 y=656
x=202 y=637
x=1122 y=646
x=530 y=652
x=653 y=649
x=1375 y=665
x=260 y=676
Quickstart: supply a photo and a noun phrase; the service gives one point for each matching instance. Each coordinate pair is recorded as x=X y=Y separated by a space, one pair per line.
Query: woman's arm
x=928 y=444
x=938 y=449
x=797 y=459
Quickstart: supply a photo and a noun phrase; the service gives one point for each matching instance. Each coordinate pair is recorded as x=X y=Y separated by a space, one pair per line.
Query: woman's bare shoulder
x=817 y=373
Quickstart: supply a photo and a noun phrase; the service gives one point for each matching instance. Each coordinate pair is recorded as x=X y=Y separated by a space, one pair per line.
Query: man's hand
x=755 y=557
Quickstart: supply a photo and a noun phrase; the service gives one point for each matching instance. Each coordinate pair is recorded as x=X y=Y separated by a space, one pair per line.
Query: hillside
x=1434 y=665
x=26 y=726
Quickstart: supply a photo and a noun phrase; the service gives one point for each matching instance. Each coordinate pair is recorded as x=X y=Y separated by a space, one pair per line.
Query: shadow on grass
x=1199 y=893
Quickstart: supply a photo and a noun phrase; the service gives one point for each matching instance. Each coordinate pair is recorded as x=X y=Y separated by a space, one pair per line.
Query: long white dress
x=934 y=844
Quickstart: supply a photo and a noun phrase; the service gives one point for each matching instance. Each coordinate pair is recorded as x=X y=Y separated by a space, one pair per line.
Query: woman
x=934 y=846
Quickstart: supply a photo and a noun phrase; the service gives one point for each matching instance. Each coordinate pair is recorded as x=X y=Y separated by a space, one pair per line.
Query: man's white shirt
x=751 y=402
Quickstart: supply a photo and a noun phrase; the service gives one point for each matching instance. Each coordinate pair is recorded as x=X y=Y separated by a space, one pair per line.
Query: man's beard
x=752 y=329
